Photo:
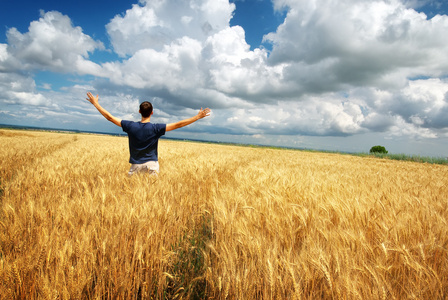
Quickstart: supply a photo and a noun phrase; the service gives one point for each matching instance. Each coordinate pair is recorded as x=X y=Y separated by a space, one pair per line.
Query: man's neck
x=146 y=120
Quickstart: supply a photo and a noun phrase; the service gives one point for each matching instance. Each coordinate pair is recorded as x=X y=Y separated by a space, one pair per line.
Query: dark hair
x=146 y=109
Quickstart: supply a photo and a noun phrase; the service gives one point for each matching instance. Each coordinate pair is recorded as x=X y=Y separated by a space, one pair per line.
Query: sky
x=338 y=75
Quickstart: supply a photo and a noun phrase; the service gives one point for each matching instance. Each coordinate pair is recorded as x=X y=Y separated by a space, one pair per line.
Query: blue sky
x=334 y=75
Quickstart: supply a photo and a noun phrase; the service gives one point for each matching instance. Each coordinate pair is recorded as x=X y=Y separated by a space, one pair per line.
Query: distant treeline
x=399 y=156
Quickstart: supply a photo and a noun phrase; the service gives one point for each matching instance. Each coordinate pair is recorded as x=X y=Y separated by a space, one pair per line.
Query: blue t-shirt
x=143 y=140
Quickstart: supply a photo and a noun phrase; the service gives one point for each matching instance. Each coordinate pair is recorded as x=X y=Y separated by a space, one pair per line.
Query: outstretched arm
x=201 y=114
x=105 y=113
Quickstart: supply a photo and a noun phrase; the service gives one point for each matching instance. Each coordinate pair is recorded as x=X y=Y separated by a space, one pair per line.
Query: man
x=144 y=136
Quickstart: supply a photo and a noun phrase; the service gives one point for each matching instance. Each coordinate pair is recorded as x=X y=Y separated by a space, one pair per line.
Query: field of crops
x=219 y=222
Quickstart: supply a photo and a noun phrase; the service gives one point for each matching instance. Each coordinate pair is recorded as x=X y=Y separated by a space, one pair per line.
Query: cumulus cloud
x=360 y=42
x=422 y=103
x=16 y=89
x=231 y=68
x=366 y=50
x=3 y=52
x=52 y=43
x=154 y=24
x=29 y=98
x=336 y=68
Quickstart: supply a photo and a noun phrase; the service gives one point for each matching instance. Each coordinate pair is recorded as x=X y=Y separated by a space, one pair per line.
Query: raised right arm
x=105 y=113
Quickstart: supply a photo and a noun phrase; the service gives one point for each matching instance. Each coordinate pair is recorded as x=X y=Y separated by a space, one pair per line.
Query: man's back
x=143 y=140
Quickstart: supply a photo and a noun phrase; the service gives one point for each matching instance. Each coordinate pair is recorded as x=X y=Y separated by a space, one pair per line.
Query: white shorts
x=150 y=167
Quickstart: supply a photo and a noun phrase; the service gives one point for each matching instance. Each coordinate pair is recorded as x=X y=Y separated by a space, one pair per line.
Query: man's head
x=145 y=109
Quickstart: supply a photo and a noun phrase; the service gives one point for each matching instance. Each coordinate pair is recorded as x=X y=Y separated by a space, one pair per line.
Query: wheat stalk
x=284 y=224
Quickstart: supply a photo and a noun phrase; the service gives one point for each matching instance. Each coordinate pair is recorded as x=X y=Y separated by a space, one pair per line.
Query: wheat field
x=219 y=222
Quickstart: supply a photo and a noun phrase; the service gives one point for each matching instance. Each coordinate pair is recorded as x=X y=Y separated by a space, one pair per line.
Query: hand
x=204 y=113
x=91 y=98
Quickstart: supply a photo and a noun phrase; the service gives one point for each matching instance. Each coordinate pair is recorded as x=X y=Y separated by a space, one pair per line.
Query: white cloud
x=403 y=128
x=8 y=62
x=3 y=52
x=314 y=116
x=17 y=90
x=29 y=98
x=52 y=43
x=365 y=42
x=235 y=70
x=159 y=23
x=174 y=67
x=11 y=82
x=337 y=68
x=46 y=86
x=423 y=103
x=365 y=50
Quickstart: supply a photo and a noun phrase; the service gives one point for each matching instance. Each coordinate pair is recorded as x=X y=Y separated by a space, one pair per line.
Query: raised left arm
x=201 y=114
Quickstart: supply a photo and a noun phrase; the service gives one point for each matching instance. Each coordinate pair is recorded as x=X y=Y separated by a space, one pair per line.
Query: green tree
x=378 y=149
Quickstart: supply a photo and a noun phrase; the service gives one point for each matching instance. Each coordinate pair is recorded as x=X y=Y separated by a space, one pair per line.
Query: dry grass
x=220 y=222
